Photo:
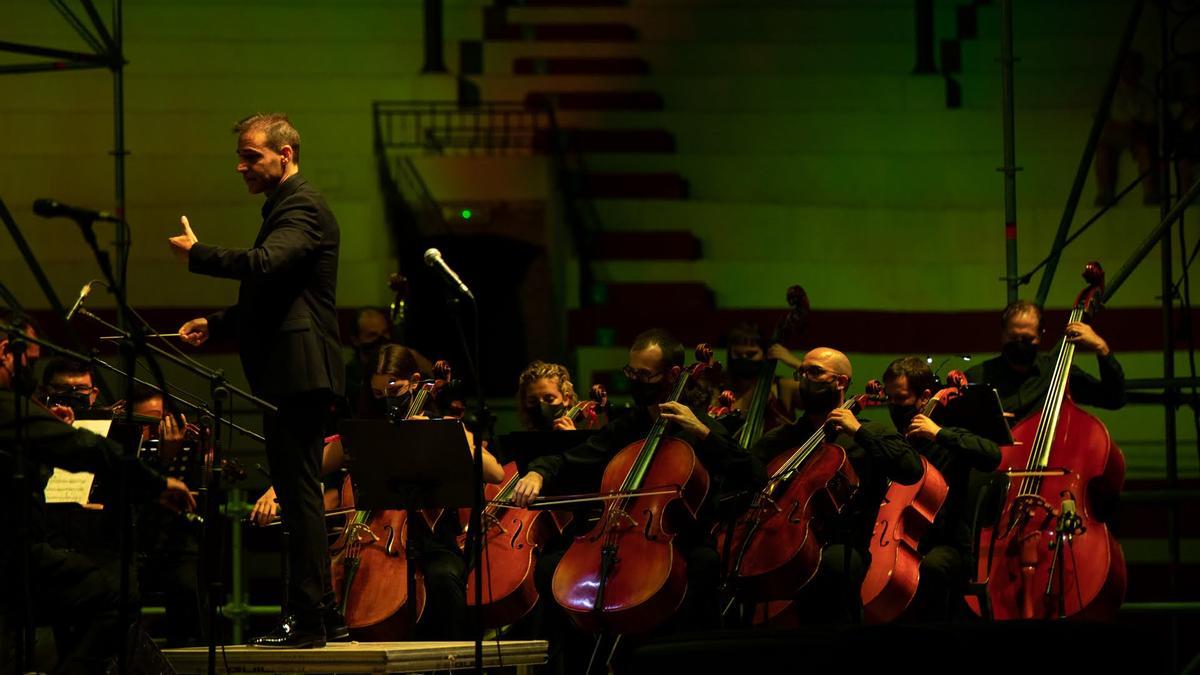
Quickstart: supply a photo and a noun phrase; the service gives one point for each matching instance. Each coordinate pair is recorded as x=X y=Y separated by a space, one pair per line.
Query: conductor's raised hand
x=194 y=332
x=181 y=244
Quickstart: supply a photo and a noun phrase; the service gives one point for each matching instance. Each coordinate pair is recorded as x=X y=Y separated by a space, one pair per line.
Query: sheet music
x=67 y=487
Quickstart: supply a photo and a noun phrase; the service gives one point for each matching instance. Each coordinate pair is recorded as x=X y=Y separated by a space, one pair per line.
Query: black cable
x=1186 y=305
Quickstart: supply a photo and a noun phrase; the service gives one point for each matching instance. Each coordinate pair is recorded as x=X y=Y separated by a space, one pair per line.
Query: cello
x=776 y=544
x=905 y=514
x=627 y=575
x=368 y=565
x=1048 y=555
x=515 y=536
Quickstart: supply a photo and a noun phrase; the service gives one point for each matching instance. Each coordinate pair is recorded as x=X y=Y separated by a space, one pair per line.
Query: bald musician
x=876 y=452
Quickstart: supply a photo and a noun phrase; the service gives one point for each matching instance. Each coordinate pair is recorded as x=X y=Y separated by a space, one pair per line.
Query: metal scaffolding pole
x=1010 y=167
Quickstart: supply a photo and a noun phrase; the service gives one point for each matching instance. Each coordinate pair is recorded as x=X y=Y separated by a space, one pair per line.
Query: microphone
x=433 y=258
x=83 y=293
x=48 y=208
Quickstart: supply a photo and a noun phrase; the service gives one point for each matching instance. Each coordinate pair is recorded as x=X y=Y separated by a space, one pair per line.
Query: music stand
x=409 y=465
x=978 y=410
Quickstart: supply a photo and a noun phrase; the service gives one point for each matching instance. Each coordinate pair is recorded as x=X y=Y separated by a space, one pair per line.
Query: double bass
x=764 y=411
x=1049 y=556
x=775 y=546
x=627 y=575
x=905 y=514
x=515 y=536
x=369 y=568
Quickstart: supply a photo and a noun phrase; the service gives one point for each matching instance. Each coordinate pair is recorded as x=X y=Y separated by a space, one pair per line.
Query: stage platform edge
x=361 y=657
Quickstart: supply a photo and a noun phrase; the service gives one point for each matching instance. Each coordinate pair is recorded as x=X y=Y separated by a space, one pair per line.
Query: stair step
x=633 y=185
x=562 y=32
x=610 y=140
x=662 y=245
x=596 y=100
x=683 y=296
x=528 y=65
x=574 y=3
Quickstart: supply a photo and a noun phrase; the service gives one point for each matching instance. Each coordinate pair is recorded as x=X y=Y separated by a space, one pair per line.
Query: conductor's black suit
x=285 y=325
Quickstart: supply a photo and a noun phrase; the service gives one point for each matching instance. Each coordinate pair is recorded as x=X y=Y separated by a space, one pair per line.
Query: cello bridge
x=362 y=532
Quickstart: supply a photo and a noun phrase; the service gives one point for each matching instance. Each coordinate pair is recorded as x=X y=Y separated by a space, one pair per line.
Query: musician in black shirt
x=1022 y=376
x=946 y=560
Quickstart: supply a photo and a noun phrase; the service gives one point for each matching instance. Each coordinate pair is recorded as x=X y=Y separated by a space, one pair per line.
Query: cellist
x=437 y=553
x=877 y=455
x=655 y=361
x=946 y=562
x=1022 y=376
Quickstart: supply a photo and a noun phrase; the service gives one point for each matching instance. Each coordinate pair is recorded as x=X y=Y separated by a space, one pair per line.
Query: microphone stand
x=26 y=645
x=483 y=425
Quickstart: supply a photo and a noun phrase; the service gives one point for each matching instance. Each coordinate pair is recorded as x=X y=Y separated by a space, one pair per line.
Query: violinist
x=64 y=586
x=1022 y=376
x=171 y=544
x=747 y=351
x=69 y=382
x=876 y=454
x=656 y=360
x=946 y=561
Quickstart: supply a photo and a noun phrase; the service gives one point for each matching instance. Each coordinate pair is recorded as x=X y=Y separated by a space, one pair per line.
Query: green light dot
x=466 y=214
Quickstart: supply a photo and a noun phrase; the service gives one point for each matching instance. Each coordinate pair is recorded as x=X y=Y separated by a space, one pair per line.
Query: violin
x=368 y=566
x=515 y=536
x=627 y=575
x=775 y=546
x=905 y=514
x=1049 y=556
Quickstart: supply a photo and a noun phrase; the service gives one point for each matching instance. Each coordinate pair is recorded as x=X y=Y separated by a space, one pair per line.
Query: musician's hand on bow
x=921 y=427
x=265 y=509
x=676 y=412
x=194 y=332
x=842 y=420
x=564 y=423
x=177 y=496
x=527 y=489
x=1084 y=337
x=181 y=244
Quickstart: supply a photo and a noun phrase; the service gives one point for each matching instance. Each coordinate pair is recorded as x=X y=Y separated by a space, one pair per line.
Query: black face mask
x=902 y=415
x=743 y=369
x=1020 y=352
x=79 y=403
x=645 y=393
x=817 y=396
x=542 y=415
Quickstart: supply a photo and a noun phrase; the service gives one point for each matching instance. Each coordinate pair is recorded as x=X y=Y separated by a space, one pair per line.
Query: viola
x=627 y=575
x=1049 y=556
x=515 y=536
x=368 y=565
x=775 y=546
x=905 y=514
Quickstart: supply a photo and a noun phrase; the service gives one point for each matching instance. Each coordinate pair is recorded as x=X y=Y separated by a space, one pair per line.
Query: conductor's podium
x=362 y=657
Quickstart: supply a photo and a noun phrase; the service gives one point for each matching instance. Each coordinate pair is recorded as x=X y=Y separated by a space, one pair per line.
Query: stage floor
x=361 y=657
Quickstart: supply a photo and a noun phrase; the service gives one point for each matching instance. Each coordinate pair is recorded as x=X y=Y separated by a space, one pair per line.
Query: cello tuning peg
x=1093 y=274
x=704 y=352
